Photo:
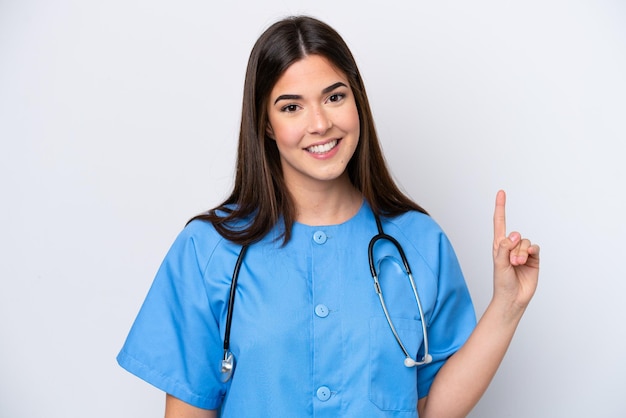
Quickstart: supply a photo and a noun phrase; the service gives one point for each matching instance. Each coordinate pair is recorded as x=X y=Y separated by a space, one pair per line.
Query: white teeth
x=320 y=149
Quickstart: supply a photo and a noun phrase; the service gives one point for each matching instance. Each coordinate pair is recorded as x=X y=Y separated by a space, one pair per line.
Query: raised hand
x=466 y=375
x=515 y=262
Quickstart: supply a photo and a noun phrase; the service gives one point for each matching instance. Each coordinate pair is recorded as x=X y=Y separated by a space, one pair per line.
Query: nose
x=319 y=121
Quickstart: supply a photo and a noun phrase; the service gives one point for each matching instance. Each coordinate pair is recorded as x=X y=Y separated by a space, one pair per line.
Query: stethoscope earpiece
x=409 y=362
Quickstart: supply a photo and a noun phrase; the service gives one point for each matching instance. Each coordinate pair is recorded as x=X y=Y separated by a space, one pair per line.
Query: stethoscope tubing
x=228 y=361
x=408 y=361
x=231 y=297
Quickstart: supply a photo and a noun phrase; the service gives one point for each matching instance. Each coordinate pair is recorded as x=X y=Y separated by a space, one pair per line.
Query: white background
x=118 y=122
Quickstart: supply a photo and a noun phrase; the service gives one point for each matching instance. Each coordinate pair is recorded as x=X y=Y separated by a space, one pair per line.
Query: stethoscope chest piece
x=228 y=366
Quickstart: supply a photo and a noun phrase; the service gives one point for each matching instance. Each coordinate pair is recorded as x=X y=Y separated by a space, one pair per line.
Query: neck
x=326 y=204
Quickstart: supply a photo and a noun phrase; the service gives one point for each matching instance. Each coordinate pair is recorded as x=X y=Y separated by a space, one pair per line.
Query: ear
x=269 y=131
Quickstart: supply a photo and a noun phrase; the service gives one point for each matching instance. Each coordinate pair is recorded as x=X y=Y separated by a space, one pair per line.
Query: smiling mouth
x=322 y=148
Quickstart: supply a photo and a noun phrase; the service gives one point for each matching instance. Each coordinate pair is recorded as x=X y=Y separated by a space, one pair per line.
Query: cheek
x=351 y=120
x=352 y=126
x=356 y=123
x=286 y=133
x=286 y=136
x=357 y=127
x=353 y=123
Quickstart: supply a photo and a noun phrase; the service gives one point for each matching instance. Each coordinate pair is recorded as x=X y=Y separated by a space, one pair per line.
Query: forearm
x=461 y=382
x=466 y=375
x=175 y=408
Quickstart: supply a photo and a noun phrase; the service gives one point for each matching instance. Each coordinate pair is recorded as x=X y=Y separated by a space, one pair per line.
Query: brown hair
x=260 y=197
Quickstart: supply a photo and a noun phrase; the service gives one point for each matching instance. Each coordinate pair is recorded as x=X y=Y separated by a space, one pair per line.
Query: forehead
x=313 y=72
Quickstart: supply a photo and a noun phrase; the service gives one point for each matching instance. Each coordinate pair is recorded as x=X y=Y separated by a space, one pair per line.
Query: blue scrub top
x=309 y=335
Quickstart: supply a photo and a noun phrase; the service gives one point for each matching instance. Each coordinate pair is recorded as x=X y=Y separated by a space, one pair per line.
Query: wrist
x=509 y=311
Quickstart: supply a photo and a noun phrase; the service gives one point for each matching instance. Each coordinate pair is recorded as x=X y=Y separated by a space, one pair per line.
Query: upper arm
x=175 y=408
x=176 y=324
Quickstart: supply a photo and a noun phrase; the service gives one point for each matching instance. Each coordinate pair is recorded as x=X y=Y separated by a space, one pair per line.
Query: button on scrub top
x=308 y=333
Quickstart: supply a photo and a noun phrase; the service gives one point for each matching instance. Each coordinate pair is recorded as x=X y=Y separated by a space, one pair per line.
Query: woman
x=310 y=335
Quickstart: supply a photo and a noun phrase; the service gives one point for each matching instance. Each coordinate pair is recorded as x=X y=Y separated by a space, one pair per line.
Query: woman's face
x=314 y=120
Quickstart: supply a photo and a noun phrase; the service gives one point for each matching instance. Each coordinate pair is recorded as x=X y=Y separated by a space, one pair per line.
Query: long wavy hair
x=260 y=198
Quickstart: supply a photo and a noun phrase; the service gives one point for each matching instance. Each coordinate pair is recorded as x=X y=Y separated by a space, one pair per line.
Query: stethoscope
x=228 y=360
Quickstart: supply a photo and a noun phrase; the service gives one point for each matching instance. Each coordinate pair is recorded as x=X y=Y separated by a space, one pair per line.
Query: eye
x=289 y=108
x=336 y=97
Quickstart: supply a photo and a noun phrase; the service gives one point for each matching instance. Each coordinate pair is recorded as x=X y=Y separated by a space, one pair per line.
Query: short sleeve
x=452 y=319
x=174 y=343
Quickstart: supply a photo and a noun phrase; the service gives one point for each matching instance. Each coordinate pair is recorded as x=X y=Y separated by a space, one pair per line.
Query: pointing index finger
x=499 y=218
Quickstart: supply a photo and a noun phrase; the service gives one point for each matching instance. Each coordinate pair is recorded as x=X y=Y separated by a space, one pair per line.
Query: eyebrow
x=297 y=96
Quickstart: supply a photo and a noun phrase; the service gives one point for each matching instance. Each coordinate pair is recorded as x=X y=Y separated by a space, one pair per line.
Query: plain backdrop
x=118 y=122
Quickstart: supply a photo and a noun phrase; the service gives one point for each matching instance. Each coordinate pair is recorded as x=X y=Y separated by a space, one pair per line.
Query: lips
x=323 y=148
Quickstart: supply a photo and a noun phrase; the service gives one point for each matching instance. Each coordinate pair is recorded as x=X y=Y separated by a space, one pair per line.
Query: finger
x=533 y=256
x=519 y=254
x=499 y=218
x=502 y=251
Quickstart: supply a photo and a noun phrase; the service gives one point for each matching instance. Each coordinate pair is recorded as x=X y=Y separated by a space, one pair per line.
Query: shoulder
x=413 y=222
x=201 y=231
x=422 y=233
x=197 y=241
